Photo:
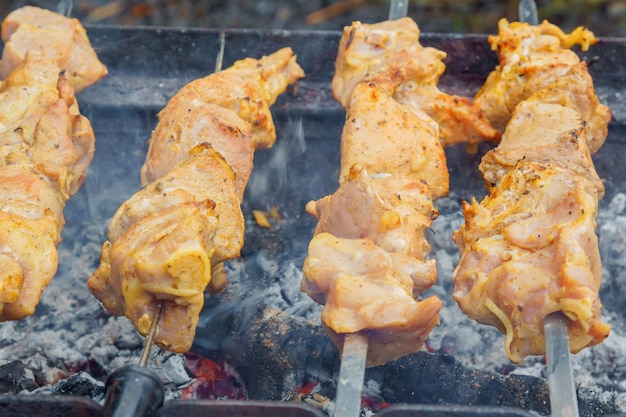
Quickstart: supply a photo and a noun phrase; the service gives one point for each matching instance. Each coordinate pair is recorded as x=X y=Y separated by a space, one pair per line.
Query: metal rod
x=65 y=7
x=351 y=375
x=398 y=9
x=145 y=353
x=563 y=401
x=527 y=12
x=220 y=54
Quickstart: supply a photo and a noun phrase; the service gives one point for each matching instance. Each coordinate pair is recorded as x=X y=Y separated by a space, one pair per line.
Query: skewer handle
x=351 y=375
x=563 y=401
x=134 y=390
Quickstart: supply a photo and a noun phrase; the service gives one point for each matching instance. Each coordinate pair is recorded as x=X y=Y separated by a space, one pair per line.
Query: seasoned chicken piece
x=203 y=175
x=168 y=242
x=390 y=51
x=60 y=39
x=390 y=211
x=365 y=288
x=31 y=220
x=249 y=87
x=529 y=250
x=385 y=137
x=533 y=58
x=575 y=90
x=40 y=123
x=163 y=242
x=544 y=133
x=187 y=121
x=46 y=146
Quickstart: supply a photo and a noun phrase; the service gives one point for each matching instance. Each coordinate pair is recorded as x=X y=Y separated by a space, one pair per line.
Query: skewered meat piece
x=373 y=290
x=386 y=137
x=561 y=141
x=179 y=129
x=529 y=248
x=163 y=239
x=392 y=49
x=60 y=39
x=366 y=264
x=168 y=241
x=46 y=146
x=391 y=211
x=537 y=58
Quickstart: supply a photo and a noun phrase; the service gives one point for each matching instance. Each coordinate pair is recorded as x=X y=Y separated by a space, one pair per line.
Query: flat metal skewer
x=398 y=9
x=563 y=401
x=65 y=7
x=351 y=375
x=527 y=12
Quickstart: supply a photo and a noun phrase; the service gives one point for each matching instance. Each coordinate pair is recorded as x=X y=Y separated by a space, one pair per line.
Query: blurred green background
x=604 y=17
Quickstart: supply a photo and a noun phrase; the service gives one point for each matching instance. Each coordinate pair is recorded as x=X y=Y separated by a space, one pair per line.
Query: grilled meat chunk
x=561 y=141
x=392 y=50
x=181 y=127
x=385 y=137
x=393 y=212
x=60 y=39
x=528 y=250
x=168 y=242
x=31 y=220
x=538 y=58
x=46 y=146
x=249 y=87
x=365 y=288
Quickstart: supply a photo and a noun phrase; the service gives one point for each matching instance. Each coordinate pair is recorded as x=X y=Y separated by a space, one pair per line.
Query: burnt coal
x=277 y=353
x=15 y=377
x=81 y=385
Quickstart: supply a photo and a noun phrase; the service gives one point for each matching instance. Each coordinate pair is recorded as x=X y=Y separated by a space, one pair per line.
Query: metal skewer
x=354 y=352
x=527 y=12
x=65 y=7
x=351 y=375
x=398 y=9
x=563 y=401
x=145 y=353
x=134 y=390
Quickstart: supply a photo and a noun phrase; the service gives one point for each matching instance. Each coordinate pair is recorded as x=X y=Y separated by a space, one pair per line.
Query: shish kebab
x=47 y=57
x=168 y=242
x=530 y=263
x=46 y=146
x=367 y=260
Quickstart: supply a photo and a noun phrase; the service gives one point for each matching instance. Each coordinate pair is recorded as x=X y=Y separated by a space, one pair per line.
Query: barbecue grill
x=262 y=329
